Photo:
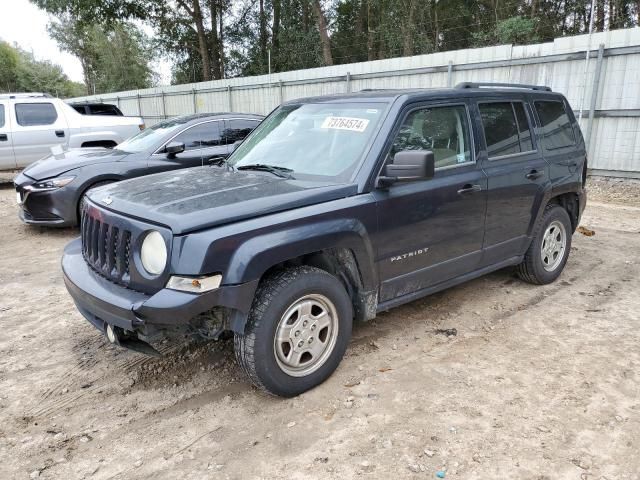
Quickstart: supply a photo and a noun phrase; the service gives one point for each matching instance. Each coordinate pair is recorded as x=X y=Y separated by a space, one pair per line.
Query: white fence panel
x=614 y=129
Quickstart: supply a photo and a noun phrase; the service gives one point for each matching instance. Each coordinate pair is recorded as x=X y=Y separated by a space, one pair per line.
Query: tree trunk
x=407 y=29
x=215 y=49
x=324 y=35
x=202 y=41
x=600 y=15
x=263 y=32
x=221 y=37
x=370 y=34
x=275 y=30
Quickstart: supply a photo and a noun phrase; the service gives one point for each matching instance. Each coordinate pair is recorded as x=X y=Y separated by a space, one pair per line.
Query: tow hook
x=117 y=336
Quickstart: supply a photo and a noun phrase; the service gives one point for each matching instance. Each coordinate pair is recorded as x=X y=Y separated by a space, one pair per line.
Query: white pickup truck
x=32 y=123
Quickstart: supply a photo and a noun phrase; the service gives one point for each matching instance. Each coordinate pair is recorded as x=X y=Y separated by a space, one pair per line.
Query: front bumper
x=53 y=208
x=102 y=302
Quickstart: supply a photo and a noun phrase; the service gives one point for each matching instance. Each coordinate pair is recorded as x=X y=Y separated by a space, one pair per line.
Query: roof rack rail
x=25 y=95
x=503 y=85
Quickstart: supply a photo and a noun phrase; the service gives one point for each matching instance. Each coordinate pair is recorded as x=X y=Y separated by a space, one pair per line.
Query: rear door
x=517 y=175
x=37 y=127
x=7 y=158
x=431 y=231
x=236 y=129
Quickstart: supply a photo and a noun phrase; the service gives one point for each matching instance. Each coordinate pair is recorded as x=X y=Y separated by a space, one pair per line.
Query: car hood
x=57 y=164
x=203 y=197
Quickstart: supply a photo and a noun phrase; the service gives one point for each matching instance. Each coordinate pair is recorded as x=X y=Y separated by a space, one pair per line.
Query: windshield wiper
x=282 y=172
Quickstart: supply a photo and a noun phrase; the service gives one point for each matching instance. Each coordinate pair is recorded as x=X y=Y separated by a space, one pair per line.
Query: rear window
x=557 y=131
x=30 y=114
x=506 y=128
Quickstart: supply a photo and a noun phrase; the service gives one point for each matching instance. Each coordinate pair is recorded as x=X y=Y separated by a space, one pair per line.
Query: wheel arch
x=347 y=254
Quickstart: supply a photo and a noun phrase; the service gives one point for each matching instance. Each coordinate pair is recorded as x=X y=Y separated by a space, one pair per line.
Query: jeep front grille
x=106 y=248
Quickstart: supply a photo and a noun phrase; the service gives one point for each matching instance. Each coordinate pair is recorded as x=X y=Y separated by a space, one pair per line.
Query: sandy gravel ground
x=540 y=383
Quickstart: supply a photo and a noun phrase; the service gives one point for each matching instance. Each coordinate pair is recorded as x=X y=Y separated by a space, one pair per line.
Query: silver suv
x=32 y=123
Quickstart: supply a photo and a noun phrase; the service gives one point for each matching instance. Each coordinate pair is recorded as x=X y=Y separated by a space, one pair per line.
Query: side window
x=524 y=129
x=31 y=114
x=1 y=116
x=238 y=129
x=443 y=130
x=506 y=128
x=557 y=131
x=204 y=135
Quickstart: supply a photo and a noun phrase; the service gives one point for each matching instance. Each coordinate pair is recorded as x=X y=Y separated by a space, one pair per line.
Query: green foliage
x=21 y=72
x=190 y=32
x=113 y=59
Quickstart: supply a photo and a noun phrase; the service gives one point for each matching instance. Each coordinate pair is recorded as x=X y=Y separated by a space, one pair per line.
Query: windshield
x=324 y=140
x=151 y=138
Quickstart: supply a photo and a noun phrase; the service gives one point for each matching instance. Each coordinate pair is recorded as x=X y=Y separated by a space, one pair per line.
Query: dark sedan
x=50 y=190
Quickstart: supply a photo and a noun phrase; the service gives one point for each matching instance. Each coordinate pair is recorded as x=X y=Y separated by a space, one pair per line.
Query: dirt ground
x=539 y=383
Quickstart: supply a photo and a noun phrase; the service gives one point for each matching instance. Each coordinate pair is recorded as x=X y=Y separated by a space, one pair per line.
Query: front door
x=431 y=231
x=517 y=175
x=7 y=158
x=201 y=142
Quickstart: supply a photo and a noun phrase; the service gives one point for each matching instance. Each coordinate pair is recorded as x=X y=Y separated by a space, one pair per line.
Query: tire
x=290 y=303
x=549 y=250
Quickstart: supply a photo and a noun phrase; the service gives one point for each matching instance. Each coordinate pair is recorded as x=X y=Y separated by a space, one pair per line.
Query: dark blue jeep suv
x=333 y=209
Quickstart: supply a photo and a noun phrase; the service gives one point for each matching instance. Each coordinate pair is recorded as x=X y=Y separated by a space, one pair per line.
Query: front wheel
x=297 y=332
x=549 y=250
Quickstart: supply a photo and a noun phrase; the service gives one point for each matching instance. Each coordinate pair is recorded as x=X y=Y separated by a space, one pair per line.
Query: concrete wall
x=611 y=85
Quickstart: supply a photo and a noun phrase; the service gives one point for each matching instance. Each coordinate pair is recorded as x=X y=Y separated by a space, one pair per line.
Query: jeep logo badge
x=107 y=200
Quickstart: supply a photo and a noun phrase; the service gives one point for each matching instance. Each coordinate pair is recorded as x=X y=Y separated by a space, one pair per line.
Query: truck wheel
x=297 y=331
x=547 y=255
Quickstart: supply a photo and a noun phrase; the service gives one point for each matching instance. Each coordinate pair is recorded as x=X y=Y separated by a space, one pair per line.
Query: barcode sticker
x=346 y=123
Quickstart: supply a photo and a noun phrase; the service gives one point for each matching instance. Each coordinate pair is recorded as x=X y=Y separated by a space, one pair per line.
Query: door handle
x=468 y=188
x=60 y=133
x=3 y=137
x=534 y=174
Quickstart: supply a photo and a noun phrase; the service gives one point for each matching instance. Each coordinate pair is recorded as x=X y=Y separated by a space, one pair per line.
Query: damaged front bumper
x=141 y=316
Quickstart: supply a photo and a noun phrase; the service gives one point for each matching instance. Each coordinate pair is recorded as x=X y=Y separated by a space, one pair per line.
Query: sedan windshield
x=320 y=140
x=151 y=138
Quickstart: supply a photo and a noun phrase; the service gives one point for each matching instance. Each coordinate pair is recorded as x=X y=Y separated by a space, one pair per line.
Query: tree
x=112 y=60
x=21 y=72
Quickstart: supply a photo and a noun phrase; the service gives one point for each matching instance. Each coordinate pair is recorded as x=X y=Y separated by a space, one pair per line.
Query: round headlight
x=154 y=253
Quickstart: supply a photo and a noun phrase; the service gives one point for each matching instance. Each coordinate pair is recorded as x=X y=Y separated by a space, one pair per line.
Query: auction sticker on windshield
x=346 y=123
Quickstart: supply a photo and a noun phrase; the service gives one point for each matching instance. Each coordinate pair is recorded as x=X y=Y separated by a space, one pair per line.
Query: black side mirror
x=173 y=148
x=409 y=165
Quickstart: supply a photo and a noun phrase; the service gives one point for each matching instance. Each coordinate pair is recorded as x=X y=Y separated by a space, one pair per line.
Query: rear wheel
x=297 y=332
x=547 y=255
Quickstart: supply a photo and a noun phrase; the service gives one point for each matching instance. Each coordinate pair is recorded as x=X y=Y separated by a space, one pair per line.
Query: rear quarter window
x=1 y=115
x=30 y=114
x=557 y=131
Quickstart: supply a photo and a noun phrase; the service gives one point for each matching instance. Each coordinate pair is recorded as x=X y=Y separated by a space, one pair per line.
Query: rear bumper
x=54 y=208
x=102 y=302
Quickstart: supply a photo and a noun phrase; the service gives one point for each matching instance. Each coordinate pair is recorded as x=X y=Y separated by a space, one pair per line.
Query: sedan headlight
x=153 y=253
x=52 y=183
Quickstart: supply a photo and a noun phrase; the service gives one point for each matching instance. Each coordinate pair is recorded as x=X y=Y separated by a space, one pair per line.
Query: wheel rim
x=554 y=244
x=306 y=335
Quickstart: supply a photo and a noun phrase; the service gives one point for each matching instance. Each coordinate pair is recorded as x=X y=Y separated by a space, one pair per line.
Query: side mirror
x=409 y=165
x=173 y=148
